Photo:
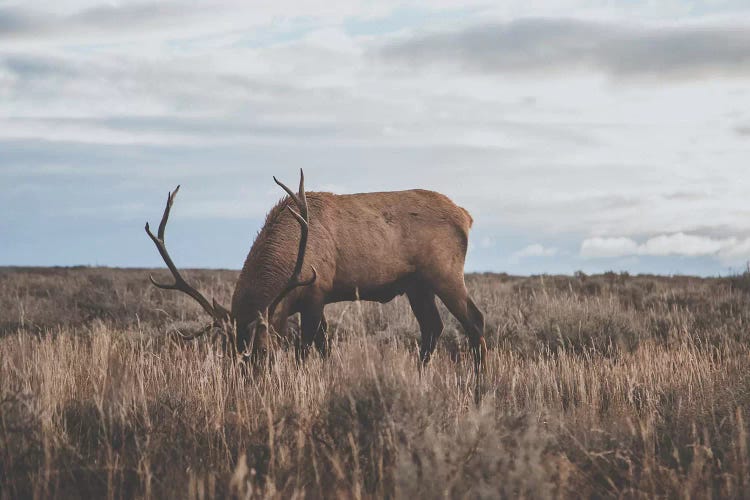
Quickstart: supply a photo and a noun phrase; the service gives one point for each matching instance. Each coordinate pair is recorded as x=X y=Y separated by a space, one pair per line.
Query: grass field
x=597 y=386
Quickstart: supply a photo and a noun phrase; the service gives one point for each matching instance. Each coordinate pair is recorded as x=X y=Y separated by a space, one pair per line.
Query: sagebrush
x=596 y=386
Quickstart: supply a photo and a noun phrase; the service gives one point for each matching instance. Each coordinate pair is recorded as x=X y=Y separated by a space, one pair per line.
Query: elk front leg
x=321 y=338
x=312 y=322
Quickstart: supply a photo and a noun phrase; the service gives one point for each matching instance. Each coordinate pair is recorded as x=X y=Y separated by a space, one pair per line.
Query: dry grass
x=597 y=386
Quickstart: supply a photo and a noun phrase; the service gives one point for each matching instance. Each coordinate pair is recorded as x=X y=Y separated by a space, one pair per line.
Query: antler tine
x=289 y=191
x=191 y=336
x=165 y=216
x=303 y=219
x=302 y=195
x=179 y=282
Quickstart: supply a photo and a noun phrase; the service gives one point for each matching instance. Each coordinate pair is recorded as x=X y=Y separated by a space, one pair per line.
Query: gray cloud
x=27 y=66
x=110 y=15
x=17 y=22
x=199 y=127
x=14 y=21
x=541 y=45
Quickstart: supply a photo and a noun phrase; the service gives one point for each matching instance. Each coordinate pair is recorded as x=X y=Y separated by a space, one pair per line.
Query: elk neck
x=268 y=265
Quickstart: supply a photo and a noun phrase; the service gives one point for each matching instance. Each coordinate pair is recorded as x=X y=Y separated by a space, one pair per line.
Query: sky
x=586 y=135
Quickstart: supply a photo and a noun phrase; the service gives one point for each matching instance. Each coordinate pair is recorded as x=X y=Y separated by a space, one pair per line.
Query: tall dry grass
x=596 y=386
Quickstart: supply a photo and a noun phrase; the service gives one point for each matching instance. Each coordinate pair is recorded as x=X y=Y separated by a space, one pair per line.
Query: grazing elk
x=371 y=246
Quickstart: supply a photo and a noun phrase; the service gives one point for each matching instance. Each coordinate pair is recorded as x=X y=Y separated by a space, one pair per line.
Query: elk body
x=318 y=248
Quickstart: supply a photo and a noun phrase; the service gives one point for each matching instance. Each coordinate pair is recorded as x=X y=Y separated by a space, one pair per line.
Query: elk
x=318 y=248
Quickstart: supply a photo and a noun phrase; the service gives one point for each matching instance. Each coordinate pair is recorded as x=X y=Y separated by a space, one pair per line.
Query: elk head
x=242 y=341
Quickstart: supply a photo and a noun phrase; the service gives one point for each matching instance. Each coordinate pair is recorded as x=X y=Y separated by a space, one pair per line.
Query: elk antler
x=303 y=218
x=216 y=311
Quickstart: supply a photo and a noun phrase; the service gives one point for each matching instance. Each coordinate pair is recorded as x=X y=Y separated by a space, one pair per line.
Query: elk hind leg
x=460 y=305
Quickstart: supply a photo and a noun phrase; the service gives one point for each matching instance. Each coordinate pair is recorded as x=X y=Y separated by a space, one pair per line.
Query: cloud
x=684 y=244
x=37 y=67
x=162 y=130
x=677 y=244
x=188 y=23
x=536 y=45
x=608 y=247
x=16 y=22
x=535 y=250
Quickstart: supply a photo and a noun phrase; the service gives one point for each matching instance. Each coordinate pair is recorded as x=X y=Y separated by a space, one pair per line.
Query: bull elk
x=317 y=248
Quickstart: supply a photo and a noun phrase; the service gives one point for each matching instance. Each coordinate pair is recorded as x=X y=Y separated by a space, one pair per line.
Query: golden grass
x=607 y=386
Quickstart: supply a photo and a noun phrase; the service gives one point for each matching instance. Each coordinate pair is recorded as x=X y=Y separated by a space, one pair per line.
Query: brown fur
x=374 y=246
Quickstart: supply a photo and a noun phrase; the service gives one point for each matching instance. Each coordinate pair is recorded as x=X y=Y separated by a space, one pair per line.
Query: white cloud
x=535 y=250
x=738 y=250
x=683 y=244
x=608 y=247
x=731 y=249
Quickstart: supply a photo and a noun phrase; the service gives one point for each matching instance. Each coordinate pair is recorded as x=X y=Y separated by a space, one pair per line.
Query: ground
x=596 y=386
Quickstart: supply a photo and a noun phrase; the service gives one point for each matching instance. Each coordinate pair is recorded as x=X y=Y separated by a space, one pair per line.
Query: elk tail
x=468 y=216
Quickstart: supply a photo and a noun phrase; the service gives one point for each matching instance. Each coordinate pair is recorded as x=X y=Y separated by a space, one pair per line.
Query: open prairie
x=597 y=386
